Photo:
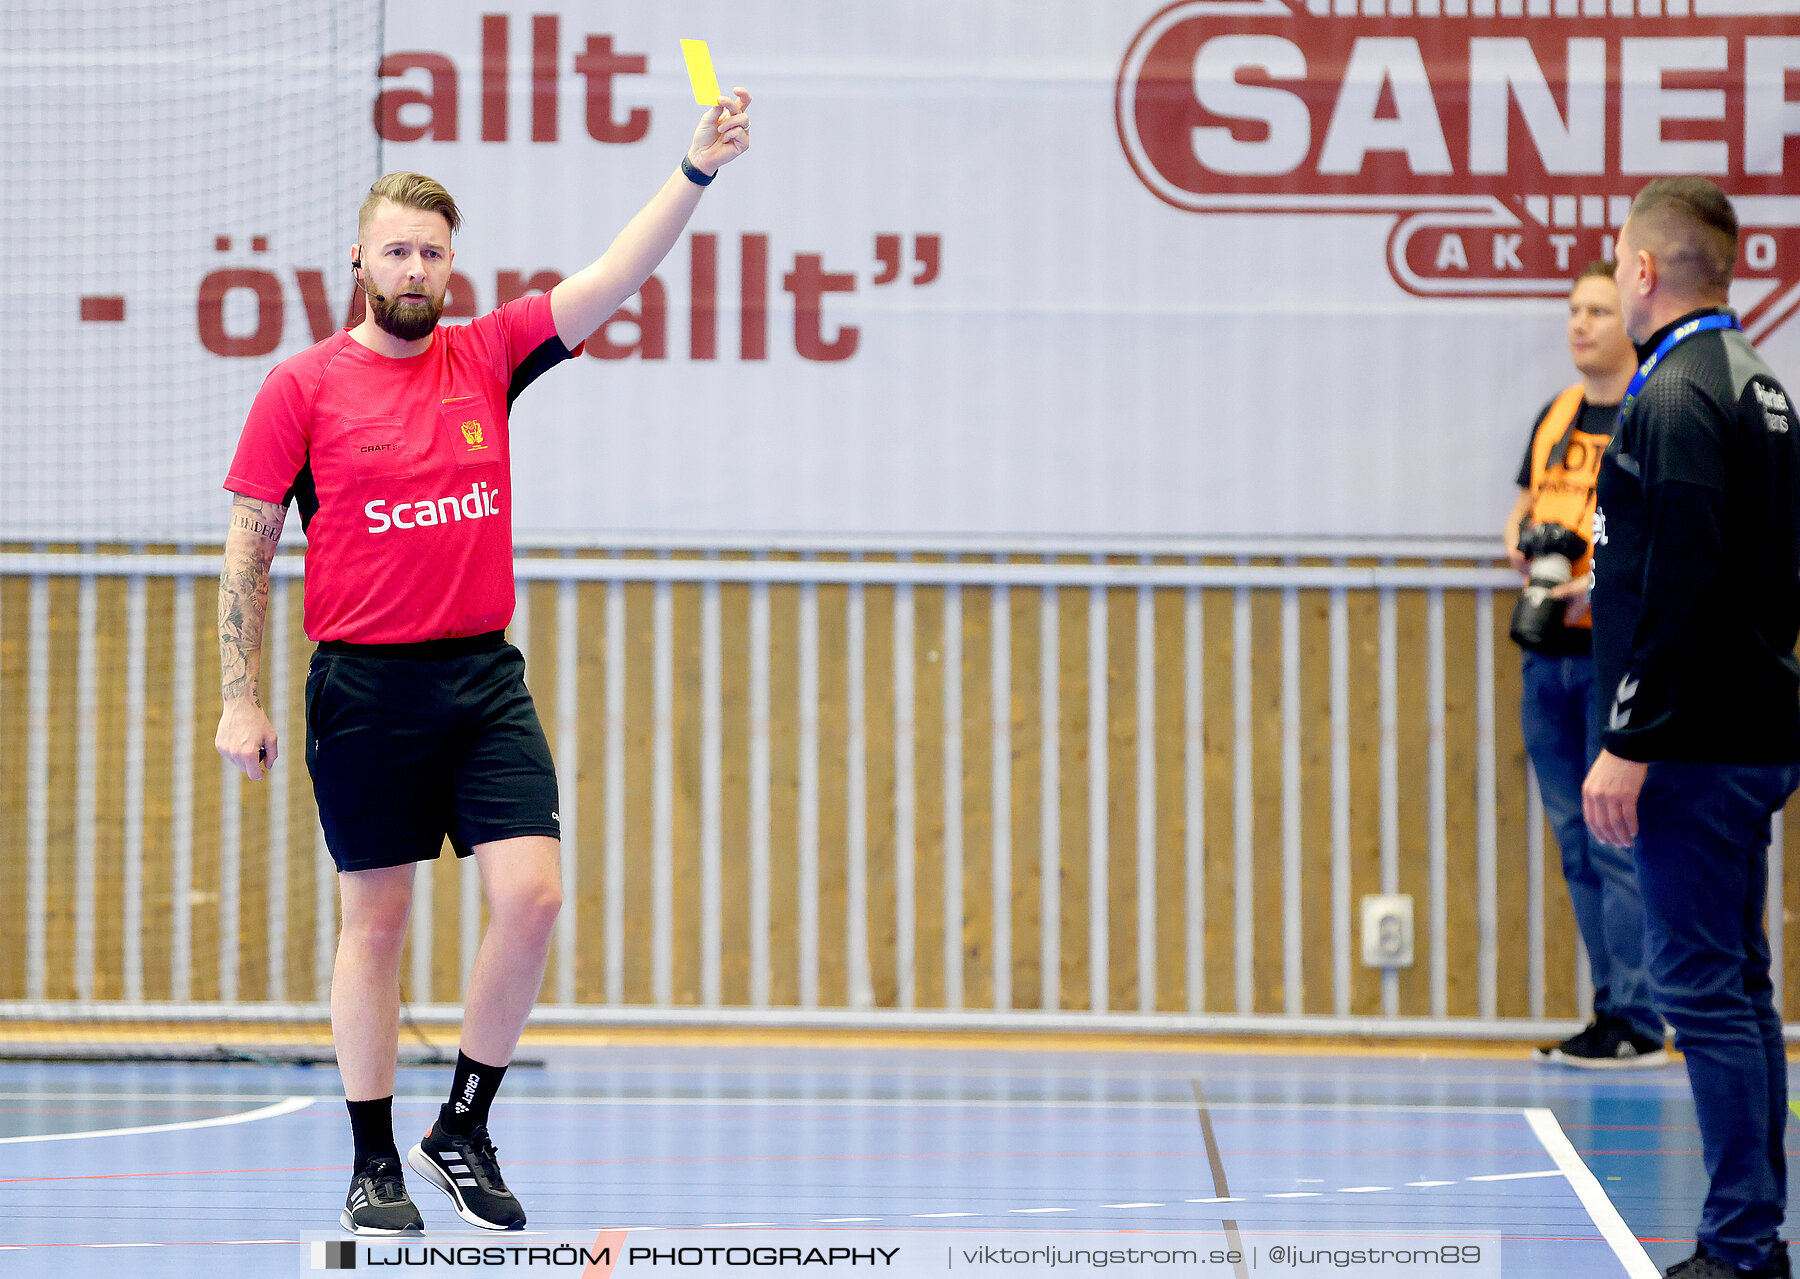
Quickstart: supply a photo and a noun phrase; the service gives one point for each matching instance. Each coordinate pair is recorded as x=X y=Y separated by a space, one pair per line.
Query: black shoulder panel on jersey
x=304 y=494
x=1744 y=364
x=545 y=356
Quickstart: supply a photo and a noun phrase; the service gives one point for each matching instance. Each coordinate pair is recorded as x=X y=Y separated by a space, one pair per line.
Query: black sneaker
x=465 y=1168
x=378 y=1203
x=1608 y=1043
x=1574 y=1045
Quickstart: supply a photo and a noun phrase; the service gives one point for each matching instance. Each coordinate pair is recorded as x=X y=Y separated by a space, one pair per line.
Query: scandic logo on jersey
x=1505 y=138
x=479 y=502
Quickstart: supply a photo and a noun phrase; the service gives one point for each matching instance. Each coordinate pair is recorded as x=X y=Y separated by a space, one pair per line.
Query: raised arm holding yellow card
x=584 y=301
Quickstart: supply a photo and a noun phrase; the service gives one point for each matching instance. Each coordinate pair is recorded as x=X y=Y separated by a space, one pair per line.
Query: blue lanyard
x=1702 y=324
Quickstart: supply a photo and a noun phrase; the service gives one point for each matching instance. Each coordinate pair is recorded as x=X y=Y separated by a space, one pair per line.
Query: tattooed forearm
x=244 y=592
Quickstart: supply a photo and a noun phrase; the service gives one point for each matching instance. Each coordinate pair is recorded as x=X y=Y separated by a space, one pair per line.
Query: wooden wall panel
x=784 y=798
x=107 y=769
x=1074 y=988
x=929 y=665
x=833 y=779
x=734 y=794
x=159 y=776
x=639 y=811
x=1318 y=982
x=1461 y=946
x=209 y=783
x=1025 y=760
x=64 y=761
x=1414 y=794
x=15 y=720
x=1170 y=780
x=977 y=801
x=684 y=816
x=1220 y=902
x=1365 y=786
x=1266 y=774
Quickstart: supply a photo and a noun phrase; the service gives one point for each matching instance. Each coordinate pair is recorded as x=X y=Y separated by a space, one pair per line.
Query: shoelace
x=386 y=1185
x=486 y=1159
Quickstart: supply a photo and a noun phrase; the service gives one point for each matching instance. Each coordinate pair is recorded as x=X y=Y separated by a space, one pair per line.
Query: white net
x=179 y=178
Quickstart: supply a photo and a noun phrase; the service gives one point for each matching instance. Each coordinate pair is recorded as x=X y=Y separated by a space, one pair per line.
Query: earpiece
x=356 y=271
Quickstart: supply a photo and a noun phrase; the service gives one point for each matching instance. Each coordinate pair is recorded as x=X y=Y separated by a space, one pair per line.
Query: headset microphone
x=356 y=274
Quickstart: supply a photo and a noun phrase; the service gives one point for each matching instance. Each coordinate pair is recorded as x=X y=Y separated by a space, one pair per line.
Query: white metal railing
x=1157 y=691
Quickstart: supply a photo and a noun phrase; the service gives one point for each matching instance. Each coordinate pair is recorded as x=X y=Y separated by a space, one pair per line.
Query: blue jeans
x=1562 y=735
x=1702 y=858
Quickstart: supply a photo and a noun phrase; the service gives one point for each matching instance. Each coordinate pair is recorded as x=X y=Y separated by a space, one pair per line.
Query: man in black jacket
x=1696 y=607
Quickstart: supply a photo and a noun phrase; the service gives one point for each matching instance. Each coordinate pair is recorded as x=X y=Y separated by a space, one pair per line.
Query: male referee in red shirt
x=392 y=437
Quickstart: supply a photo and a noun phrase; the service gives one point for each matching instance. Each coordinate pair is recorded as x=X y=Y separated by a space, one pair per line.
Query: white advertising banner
x=1005 y=267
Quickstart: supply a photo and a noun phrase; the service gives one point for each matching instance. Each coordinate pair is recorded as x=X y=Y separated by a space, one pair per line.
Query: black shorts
x=408 y=743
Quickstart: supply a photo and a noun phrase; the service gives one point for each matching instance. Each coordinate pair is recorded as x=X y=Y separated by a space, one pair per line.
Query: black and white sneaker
x=378 y=1203
x=466 y=1169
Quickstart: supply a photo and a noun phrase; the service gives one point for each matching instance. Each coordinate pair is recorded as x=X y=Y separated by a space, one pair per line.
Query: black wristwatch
x=694 y=175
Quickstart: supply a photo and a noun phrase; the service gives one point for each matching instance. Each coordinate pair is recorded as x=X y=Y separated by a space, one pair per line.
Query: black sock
x=372 y=1129
x=472 y=1091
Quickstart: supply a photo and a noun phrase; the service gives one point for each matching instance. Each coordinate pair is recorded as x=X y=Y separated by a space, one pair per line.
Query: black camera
x=1551 y=550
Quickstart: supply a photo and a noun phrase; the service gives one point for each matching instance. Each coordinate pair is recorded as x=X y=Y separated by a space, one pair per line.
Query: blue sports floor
x=220 y=1169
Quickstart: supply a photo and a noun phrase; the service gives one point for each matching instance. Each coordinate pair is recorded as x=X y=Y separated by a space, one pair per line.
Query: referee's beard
x=403 y=318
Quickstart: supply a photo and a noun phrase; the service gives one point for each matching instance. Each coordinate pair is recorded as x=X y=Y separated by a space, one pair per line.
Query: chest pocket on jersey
x=477 y=434
x=378 y=448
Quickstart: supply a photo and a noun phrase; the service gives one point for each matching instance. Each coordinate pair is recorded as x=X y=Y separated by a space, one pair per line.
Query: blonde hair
x=409 y=191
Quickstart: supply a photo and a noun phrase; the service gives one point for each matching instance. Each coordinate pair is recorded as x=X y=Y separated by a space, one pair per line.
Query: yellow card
x=700 y=72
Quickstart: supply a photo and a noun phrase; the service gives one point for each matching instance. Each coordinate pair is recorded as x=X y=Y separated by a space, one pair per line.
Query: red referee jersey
x=402 y=472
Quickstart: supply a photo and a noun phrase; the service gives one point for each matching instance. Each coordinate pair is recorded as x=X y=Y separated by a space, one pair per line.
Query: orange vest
x=1565 y=492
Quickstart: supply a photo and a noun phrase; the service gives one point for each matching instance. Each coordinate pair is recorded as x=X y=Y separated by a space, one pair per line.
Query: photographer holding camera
x=1548 y=539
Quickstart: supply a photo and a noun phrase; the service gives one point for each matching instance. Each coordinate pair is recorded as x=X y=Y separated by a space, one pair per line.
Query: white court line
x=1431 y=1183
x=42 y=1095
x=1517 y=1176
x=1587 y=1188
x=287 y=1107
x=1362 y=1190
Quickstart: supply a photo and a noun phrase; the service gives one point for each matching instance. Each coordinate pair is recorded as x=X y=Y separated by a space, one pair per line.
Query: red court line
x=1632 y=1127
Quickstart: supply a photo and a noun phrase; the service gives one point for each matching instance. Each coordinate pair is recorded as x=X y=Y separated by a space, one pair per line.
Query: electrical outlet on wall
x=1387 y=930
